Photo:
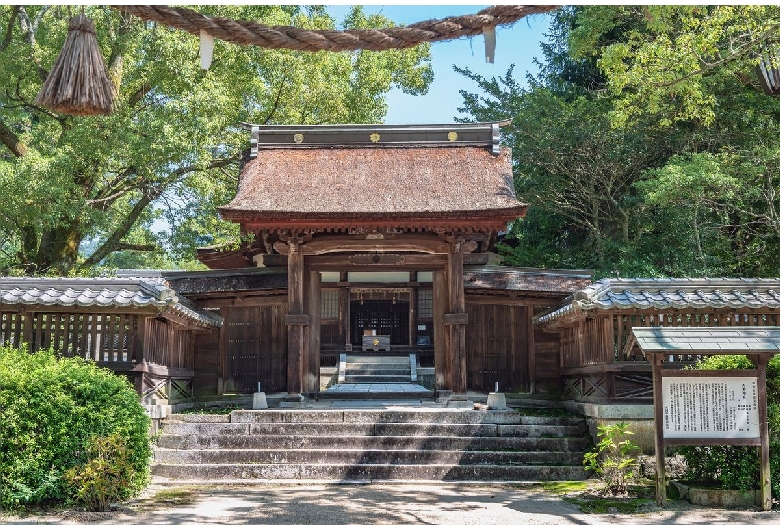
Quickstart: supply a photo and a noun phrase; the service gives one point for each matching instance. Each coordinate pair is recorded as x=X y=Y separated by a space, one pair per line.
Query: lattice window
x=425 y=303
x=329 y=304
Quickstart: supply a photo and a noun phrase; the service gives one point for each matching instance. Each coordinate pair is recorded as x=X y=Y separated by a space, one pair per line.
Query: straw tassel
x=78 y=83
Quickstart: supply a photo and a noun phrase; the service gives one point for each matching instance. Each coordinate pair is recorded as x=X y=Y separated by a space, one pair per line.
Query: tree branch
x=11 y=141
x=122 y=245
x=744 y=49
x=114 y=240
x=9 y=31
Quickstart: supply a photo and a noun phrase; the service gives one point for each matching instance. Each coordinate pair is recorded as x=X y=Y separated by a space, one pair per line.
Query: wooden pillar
x=413 y=316
x=660 y=463
x=345 y=333
x=456 y=319
x=440 y=303
x=222 y=355
x=527 y=316
x=311 y=371
x=765 y=475
x=296 y=319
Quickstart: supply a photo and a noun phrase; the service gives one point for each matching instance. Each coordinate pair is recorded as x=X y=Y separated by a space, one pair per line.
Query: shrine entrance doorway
x=384 y=317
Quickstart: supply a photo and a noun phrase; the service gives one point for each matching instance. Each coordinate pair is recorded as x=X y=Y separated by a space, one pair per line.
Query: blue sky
x=517 y=44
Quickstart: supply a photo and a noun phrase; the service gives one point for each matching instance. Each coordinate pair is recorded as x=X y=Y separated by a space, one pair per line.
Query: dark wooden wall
x=255 y=346
x=546 y=379
x=207 y=364
x=498 y=341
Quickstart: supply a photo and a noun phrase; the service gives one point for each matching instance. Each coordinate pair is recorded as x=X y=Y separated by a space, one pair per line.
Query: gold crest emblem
x=452 y=136
x=375 y=137
x=298 y=138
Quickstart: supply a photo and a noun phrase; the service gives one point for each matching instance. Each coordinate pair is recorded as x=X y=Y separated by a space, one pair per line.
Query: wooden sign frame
x=760 y=361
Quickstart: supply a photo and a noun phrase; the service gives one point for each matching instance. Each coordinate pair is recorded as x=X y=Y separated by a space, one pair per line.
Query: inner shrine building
x=379 y=231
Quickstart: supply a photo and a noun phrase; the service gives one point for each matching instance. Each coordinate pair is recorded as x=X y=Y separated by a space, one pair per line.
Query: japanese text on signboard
x=713 y=407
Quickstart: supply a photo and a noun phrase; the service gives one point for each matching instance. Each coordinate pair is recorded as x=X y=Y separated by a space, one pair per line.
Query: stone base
x=719 y=498
x=640 y=419
x=158 y=412
x=259 y=401
x=496 y=401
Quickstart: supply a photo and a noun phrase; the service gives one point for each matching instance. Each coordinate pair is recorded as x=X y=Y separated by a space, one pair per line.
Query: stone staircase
x=373 y=377
x=403 y=444
x=378 y=369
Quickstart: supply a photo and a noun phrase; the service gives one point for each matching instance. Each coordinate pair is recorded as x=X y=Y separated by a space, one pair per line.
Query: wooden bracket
x=456 y=319
x=297 y=320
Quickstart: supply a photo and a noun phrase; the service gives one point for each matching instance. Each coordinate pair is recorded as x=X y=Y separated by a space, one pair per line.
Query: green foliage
x=107 y=476
x=52 y=410
x=78 y=189
x=612 y=458
x=735 y=467
x=675 y=62
x=627 y=175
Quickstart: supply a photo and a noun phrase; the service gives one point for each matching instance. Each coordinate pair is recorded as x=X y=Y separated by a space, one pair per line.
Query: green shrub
x=52 y=410
x=613 y=459
x=106 y=476
x=734 y=467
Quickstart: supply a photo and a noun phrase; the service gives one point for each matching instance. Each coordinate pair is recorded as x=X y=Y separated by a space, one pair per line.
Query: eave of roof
x=495 y=277
x=615 y=294
x=746 y=340
x=140 y=293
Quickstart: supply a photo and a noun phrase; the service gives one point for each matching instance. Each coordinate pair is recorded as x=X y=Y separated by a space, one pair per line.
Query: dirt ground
x=396 y=504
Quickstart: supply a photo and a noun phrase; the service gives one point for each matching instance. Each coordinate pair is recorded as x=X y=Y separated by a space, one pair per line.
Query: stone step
x=378 y=359
x=377 y=395
x=375 y=416
x=373 y=379
x=303 y=472
x=371 y=442
x=409 y=415
x=377 y=370
x=374 y=429
x=365 y=456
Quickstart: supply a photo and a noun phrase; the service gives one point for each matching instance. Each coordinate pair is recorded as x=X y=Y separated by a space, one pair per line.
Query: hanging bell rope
x=292 y=38
x=78 y=82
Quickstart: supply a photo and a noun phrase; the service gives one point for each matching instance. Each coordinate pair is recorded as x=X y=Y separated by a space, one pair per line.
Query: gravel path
x=408 y=504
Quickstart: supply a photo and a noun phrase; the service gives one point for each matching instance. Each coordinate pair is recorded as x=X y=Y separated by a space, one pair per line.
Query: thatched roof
x=539 y=281
x=465 y=187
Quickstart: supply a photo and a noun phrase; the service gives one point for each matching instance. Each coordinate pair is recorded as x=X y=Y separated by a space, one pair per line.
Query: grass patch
x=175 y=496
x=607 y=505
x=566 y=486
x=589 y=499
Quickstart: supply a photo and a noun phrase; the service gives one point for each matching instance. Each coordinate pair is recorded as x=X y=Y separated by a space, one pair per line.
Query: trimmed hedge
x=735 y=467
x=53 y=410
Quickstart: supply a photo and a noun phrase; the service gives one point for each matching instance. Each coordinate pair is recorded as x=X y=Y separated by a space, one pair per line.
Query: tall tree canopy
x=637 y=159
x=81 y=191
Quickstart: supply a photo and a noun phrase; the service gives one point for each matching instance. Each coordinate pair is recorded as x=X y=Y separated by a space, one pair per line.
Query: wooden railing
x=107 y=338
x=597 y=367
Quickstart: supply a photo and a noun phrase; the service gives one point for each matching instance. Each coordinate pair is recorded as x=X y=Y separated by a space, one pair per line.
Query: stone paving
x=371 y=388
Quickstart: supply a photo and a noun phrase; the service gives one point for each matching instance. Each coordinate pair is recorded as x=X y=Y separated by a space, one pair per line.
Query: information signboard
x=711 y=408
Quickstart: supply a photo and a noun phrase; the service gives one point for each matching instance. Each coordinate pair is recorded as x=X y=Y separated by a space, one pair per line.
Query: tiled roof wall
x=100 y=292
x=672 y=293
